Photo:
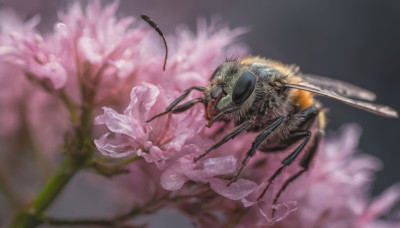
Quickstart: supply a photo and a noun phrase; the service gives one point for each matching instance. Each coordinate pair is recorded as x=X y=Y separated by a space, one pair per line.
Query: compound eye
x=244 y=87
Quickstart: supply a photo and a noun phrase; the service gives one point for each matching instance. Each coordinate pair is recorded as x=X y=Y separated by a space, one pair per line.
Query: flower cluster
x=24 y=106
x=333 y=193
x=52 y=89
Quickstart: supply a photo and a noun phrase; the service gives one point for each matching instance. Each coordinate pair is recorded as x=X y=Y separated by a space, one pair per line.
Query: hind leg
x=298 y=120
x=305 y=164
x=305 y=135
x=310 y=114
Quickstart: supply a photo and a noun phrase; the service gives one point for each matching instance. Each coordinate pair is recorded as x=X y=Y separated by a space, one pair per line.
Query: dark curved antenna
x=158 y=30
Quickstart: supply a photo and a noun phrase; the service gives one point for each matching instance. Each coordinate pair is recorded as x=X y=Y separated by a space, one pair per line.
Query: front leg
x=179 y=99
x=228 y=137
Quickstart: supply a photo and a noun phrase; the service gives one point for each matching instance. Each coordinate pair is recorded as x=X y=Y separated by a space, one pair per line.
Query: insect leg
x=185 y=106
x=219 y=115
x=310 y=114
x=176 y=101
x=289 y=159
x=231 y=135
x=259 y=139
x=305 y=164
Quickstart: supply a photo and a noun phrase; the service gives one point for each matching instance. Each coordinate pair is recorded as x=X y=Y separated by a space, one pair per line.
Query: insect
x=277 y=102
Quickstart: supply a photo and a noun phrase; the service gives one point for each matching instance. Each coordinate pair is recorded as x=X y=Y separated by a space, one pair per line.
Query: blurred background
x=355 y=41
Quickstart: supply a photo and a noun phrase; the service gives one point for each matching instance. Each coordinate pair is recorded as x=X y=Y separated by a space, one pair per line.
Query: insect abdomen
x=302 y=99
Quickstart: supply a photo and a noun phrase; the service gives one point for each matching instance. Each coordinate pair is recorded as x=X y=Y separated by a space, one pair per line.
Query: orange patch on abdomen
x=302 y=99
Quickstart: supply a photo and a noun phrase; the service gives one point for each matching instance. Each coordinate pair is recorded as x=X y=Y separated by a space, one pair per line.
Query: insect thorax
x=270 y=100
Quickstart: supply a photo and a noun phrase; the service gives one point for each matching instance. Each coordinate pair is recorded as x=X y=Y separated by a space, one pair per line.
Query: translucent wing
x=381 y=110
x=341 y=88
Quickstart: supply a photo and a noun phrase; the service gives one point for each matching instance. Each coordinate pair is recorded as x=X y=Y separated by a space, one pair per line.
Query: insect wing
x=378 y=109
x=339 y=87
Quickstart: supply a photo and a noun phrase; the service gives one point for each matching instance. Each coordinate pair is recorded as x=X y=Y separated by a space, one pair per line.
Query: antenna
x=158 y=30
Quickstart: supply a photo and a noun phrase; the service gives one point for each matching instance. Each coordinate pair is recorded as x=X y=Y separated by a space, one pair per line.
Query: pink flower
x=90 y=47
x=189 y=53
x=93 y=53
x=125 y=188
x=96 y=37
x=170 y=141
x=25 y=107
x=157 y=141
x=23 y=46
x=334 y=193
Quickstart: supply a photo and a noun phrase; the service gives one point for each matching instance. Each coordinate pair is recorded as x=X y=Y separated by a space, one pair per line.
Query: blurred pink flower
x=24 y=106
x=95 y=38
x=190 y=53
x=93 y=47
x=334 y=193
x=12 y=82
x=90 y=47
x=20 y=44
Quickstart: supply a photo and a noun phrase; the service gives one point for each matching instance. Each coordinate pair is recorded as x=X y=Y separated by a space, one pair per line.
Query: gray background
x=356 y=41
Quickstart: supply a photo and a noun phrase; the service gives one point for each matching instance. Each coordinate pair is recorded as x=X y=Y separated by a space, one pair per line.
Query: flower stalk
x=79 y=154
x=31 y=217
x=69 y=167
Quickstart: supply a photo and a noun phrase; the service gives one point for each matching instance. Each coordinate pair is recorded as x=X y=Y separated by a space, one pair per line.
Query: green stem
x=80 y=152
x=64 y=173
x=30 y=217
x=70 y=107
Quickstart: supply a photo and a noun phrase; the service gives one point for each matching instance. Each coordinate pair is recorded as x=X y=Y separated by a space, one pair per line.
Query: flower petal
x=281 y=211
x=117 y=123
x=116 y=151
x=212 y=167
x=172 y=180
x=235 y=191
x=142 y=99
